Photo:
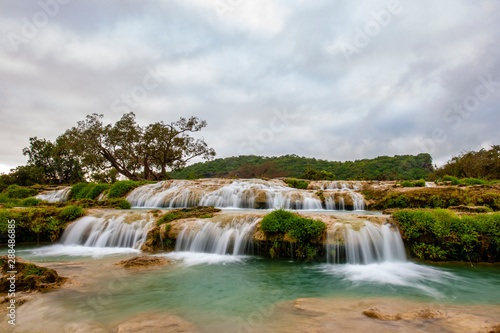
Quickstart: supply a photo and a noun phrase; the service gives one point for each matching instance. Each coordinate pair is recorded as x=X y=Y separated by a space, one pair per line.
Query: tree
x=138 y=153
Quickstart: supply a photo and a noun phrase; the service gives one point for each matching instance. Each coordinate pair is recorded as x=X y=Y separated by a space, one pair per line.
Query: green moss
x=120 y=189
x=31 y=269
x=30 y=202
x=305 y=232
x=442 y=235
x=18 y=192
x=184 y=213
x=296 y=183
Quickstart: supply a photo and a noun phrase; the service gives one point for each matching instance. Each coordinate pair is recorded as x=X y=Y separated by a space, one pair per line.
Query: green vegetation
x=442 y=235
x=305 y=233
x=312 y=174
x=120 y=189
x=407 y=183
x=483 y=164
x=44 y=224
x=184 y=213
x=418 y=183
x=399 y=167
x=434 y=198
x=296 y=183
x=87 y=190
x=30 y=202
x=18 y=192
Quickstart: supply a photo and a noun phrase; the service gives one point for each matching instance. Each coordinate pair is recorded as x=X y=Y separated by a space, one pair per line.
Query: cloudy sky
x=336 y=80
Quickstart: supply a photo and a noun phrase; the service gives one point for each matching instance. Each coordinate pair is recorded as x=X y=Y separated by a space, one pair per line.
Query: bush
x=296 y=183
x=71 y=213
x=453 y=180
x=420 y=183
x=120 y=189
x=18 y=192
x=473 y=181
x=407 y=183
x=442 y=235
x=306 y=232
x=312 y=174
x=80 y=190
x=97 y=190
x=30 y=202
x=123 y=204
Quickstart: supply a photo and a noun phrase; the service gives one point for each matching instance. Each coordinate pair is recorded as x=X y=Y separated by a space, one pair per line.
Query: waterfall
x=60 y=195
x=364 y=244
x=245 y=194
x=234 y=238
x=112 y=231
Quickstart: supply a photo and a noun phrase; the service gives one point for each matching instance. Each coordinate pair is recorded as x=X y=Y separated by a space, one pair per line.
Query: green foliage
x=293 y=166
x=442 y=235
x=184 y=213
x=473 y=181
x=71 y=213
x=123 y=204
x=453 y=180
x=435 y=198
x=407 y=183
x=482 y=164
x=306 y=233
x=96 y=190
x=420 y=183
x=120 y=189
x=18 y=192
x=296 y=183
x=312 y=174
x=30 y=202
x=87 y=190
x=32 y=269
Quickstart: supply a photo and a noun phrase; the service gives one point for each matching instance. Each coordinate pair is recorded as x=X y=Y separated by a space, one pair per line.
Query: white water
x=245 y=194
x=372 y=243
x=232 y=239
x=61 y=195
x=101 y=232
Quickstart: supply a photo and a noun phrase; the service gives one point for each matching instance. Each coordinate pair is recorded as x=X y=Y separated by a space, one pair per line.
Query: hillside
x=380 y=168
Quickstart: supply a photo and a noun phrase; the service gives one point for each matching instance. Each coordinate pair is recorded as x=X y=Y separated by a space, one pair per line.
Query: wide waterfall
x=248 y=194
x=60 y=195
x=364 y=243
x=107 y=231
x=233 y=238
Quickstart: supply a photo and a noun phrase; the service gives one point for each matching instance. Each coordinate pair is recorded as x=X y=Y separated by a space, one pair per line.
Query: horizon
x=328 y=80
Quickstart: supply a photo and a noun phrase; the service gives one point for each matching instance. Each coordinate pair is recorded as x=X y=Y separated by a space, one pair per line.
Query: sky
x=335 y=80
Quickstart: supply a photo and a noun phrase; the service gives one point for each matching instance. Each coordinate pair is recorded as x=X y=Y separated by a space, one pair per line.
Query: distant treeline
x=399 y=167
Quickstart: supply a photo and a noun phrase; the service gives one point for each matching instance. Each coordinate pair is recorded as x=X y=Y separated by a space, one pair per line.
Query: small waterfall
x=61 y=195
x=364 y=244
x=245 y=194
x=234 y=238
x=113 y=231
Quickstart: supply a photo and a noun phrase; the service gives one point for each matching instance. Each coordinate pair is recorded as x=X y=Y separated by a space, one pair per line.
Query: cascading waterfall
x=113 y=231
x=364 y=244
x=234 y=238
x=246 y=194
x=60 y=195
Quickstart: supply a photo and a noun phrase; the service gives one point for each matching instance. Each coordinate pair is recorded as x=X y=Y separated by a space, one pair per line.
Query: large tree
x=137 y=152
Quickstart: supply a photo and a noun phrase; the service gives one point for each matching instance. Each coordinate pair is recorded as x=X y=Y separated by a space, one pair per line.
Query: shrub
x=96 y=190
x=407 y=183
x=30 y=202
x=296 y=183
x=120 y=189
x=420 y=183
x=453 y=180
x=306 y=233
x=442 y=235
x=80 y=190
x=71 y=213
x=124 y=204
x=473 y=181
x=18 y=192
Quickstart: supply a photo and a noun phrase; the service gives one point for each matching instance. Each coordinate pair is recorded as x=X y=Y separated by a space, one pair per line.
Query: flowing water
x=60 y=195
x=215 y=282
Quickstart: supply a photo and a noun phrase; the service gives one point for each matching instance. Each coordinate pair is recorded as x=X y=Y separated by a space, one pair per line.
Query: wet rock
x=376 y=313
x=156 y=322
x=143 y=262
x=29 y=277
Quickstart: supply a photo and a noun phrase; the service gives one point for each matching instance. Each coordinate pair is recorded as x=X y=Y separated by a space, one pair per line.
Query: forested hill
x=380 y=168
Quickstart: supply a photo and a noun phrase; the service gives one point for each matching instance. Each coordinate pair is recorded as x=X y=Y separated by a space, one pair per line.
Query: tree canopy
x=100 y=150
